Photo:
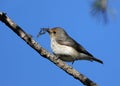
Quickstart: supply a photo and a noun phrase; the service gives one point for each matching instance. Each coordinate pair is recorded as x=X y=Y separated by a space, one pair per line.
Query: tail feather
x=97 y=60
x=89 y=58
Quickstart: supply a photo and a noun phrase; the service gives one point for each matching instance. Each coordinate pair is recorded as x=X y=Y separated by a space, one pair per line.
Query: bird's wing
x=75 y=45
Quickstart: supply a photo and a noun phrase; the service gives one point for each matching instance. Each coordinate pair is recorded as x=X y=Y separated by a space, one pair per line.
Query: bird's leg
x=73 y=62
x=56 y=56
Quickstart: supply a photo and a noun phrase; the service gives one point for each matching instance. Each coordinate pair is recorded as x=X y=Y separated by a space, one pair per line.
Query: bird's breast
x=59 y=49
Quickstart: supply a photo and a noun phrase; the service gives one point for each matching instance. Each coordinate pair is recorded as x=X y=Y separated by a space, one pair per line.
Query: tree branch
x=28 y=39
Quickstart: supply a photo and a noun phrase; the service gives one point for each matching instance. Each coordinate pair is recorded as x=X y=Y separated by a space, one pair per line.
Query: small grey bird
x=66 y=48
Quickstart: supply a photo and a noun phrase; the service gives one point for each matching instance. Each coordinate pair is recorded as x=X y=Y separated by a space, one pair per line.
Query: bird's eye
x=54 y=32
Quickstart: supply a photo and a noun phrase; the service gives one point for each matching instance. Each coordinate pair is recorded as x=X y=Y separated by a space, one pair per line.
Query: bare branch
x=28 y=39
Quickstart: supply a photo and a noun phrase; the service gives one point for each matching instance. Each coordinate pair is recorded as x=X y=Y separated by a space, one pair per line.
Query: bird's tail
x=97 y=60
x=89 y=58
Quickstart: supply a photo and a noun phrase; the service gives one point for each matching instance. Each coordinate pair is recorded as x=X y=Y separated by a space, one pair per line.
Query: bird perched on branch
x=66 y=48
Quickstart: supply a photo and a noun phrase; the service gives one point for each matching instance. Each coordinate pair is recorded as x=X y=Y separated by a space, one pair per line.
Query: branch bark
x=32 y=43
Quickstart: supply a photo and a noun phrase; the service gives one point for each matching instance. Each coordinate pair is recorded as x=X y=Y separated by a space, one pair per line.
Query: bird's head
x=57 y=33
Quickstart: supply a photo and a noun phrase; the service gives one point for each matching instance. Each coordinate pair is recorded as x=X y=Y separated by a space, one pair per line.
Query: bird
x=66 y=48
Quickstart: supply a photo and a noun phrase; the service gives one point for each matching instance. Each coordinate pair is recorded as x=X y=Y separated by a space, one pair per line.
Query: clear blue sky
x=20 y=65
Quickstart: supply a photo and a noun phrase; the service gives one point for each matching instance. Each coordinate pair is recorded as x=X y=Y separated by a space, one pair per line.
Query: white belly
x=63 y=49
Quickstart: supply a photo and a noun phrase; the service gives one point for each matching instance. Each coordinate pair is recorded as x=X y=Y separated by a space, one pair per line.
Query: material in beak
x=48 y=30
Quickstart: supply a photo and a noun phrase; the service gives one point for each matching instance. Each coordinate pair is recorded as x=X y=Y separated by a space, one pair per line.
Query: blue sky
x=20 y=65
